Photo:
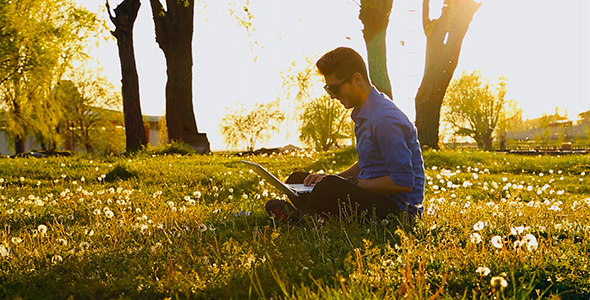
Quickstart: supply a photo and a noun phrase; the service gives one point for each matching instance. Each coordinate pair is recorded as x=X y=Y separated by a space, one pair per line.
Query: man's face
x=343 y=90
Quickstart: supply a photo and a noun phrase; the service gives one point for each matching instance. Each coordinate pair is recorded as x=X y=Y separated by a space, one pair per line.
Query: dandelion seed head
x=498 y=282
x=42 y=229
x=478 y=226
x=483 y=271
x=497 y=242
x=475 y=238
x=4 y=252
x=530 y=241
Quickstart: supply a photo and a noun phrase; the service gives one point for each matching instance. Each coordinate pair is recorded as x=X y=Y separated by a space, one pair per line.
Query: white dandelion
x=483 y=271
x=4 y=252
x=475 y=238
x=42 y=229
x=498 y=282
x=478 y=226
x=530 y=241
x=497 y=242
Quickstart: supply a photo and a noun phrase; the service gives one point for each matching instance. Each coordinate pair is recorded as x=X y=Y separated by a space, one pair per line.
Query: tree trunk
x=19 y=138
x=375 y=17
x=19 y=145
x=487 y=139
x=174 y=34
x=126 y=13
x=444 y=37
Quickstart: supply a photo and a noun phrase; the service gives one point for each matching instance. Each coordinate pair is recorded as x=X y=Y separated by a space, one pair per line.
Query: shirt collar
x=368 y=107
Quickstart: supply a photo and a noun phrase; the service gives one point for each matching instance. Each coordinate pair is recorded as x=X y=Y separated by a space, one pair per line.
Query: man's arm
x=382 y=185
x=353 y=170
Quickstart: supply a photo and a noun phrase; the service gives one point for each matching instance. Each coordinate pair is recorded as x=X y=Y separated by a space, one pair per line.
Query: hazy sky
x=537 y=45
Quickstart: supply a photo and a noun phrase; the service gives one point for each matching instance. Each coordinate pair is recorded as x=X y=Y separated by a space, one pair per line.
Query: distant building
x=549 y=127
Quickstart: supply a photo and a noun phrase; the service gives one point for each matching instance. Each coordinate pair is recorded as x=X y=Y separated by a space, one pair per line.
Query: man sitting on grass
x=388 y=177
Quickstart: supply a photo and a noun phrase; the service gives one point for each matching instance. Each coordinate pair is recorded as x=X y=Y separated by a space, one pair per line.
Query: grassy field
x=156 y=225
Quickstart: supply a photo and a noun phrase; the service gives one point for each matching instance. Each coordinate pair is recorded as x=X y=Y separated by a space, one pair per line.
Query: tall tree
x=124 y=19
x=375 y=17
x=174 y=34
x=444 y=37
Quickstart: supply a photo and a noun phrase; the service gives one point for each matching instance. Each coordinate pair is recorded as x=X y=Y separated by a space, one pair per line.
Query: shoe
x=281 y=210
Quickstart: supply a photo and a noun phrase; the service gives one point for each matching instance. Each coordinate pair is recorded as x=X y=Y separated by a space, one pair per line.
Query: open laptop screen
x=292 y=190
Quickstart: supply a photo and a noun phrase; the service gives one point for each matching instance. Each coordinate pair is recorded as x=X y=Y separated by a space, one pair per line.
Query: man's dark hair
x=343 y=62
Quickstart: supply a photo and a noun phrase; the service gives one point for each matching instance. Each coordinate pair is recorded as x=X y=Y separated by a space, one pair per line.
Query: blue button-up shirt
x=387 y=145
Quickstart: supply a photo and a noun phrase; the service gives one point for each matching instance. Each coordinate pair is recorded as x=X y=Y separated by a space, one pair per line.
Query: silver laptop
x=292 y=190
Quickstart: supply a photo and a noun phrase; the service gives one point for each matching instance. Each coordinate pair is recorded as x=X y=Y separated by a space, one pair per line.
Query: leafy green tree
x=39 y=42
x=324 y=122
x=474 y=107
x=246 y=128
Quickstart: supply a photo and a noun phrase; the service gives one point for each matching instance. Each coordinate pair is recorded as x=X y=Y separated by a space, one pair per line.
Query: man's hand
x=312 y=179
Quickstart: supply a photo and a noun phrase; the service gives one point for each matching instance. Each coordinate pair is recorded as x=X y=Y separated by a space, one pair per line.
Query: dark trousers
x=334 y=195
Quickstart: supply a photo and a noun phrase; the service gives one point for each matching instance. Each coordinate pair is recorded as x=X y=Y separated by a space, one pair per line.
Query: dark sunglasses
x=335 y=88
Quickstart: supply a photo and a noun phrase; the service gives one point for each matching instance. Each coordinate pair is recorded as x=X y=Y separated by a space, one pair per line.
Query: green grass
x=166 y=224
